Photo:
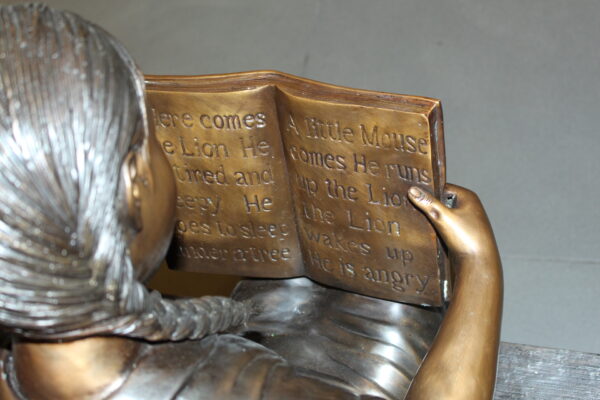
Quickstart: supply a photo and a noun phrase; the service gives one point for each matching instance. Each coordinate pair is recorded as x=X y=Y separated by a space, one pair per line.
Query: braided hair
x=71 y=99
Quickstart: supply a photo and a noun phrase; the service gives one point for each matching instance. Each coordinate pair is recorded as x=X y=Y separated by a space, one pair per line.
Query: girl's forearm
x=461 y=364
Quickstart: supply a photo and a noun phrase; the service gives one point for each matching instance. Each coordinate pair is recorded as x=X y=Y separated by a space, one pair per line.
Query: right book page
x=351 y=160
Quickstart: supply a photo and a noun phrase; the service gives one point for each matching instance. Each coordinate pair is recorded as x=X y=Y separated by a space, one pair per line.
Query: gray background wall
x=519 y=81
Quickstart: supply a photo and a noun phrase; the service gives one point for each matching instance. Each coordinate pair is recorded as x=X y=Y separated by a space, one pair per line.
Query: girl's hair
x=71 y=99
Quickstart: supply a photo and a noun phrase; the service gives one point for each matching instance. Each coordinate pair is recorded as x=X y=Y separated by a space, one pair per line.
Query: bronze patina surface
x=280 y=176
x=88 y=209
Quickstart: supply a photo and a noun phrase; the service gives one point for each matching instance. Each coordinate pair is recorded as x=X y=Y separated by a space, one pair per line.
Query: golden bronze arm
x=461 y=364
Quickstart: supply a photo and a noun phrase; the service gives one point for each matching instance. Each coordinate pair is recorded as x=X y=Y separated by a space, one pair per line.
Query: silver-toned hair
x=71 y=99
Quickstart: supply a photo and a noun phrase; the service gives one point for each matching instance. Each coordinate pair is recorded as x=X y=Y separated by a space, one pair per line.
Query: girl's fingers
x=426 y=202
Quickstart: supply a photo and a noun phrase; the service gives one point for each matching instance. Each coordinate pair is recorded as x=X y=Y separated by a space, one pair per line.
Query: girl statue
x=87 y=206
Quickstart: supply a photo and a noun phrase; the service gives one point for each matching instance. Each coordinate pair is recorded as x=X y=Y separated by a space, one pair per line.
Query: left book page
x=234 y=208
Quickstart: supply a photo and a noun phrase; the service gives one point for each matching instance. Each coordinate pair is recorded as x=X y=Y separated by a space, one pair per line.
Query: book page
x=350 y=169
x=234 y=210
x=279 y=176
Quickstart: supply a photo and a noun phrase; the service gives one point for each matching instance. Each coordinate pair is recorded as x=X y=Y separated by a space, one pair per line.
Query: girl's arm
x=461 y=364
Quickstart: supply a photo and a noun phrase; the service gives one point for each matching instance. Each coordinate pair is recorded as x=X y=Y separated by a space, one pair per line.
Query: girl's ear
x=132 y=190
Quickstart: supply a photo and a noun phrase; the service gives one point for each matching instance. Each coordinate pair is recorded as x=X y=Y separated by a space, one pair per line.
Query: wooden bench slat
x=529 y=372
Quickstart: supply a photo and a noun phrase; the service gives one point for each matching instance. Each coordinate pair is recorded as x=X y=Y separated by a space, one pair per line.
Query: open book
x=279 y=176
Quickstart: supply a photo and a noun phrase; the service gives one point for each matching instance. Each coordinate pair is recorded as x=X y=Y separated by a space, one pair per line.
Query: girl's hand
x=465 y=229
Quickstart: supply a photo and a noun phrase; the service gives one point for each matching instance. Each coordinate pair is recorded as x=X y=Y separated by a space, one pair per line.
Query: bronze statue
x=87 y=215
